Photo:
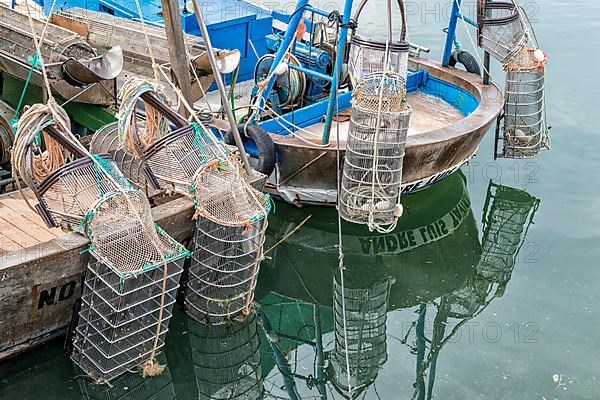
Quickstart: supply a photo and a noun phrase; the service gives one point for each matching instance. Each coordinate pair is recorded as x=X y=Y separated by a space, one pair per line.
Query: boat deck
x=20 y=226
x=429 y=113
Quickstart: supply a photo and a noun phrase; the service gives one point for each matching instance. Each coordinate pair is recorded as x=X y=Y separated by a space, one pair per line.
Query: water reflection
x=433 y=274
x=130 y=386
x=226 y=359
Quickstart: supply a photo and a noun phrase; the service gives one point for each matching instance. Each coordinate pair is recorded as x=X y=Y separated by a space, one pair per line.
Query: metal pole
x=177 y=50
x=337 y=71
x=221 y=86
x=289 y=35
x=451 y=32
x=486 y=68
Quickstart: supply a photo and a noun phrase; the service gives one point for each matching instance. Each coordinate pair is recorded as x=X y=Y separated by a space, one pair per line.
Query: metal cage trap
x=372 y=172
x=226 y=359
x=130 y=287
x=369 y=55
x=149 y=152
x=231 y=226
x=501 y=30
x=66 y=180
x=366 y=318
x=525 y=130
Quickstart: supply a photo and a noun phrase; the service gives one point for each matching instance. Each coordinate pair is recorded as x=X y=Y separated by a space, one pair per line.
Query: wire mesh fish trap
x=119 y=318
x=171 y=157
x=372 y=172
x=129 y=289
x=367 y=55
x=509 y=213
x=65 y=179
x=501 y=30
x=106 y=141
x=525 y=127
x=231 y=226
x=131 y=386
x=226 y=359
x=366 y=318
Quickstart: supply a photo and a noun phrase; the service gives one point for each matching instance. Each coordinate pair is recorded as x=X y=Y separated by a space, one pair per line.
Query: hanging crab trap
x=501 y=30
x=231 y=226
x=507 y=216
x=226 y=359
x=363 y=337
x=372 y=173
x=65 y=179
x=368 y=56
x=130 y=287
x=525 y=131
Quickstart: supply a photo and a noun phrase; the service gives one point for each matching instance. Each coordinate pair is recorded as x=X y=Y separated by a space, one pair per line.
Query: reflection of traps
x=509 y=213
x=366 y=317
x=227 y=359
x=132 y=385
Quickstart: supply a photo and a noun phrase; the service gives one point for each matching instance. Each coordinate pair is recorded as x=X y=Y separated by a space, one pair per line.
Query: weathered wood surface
x=39 y=284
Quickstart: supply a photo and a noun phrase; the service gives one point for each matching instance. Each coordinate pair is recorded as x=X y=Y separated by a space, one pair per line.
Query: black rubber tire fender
x=467 y=60
x=264 y=144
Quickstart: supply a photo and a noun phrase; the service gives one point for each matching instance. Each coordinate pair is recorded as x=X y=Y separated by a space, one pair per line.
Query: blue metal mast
x=290 y=35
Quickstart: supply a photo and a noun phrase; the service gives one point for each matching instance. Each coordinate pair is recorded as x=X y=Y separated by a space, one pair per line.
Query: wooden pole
x=177 y=51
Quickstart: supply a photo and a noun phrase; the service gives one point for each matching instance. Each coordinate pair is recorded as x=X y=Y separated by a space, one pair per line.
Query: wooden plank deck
x=429 y=113
x=20 y=226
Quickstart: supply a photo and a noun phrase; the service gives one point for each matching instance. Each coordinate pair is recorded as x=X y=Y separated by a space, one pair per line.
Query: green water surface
x=488 y=289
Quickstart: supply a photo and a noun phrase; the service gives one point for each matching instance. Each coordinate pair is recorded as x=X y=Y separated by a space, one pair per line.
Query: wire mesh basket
x=130 y=286
x=120 y=317
x=525 y=127
x=170 y=158
x=366 y=318
x=226 y=359
x=106 y=141
x=501 y=30
x=367 y=55
x=131 y=386
x=67 y=195
x=372 y=172
x=231 y=226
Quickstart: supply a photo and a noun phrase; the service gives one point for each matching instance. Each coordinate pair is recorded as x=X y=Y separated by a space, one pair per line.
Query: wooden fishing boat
x=452 y=108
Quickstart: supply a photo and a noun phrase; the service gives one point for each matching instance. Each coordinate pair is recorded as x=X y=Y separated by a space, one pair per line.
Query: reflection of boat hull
x=435 y=249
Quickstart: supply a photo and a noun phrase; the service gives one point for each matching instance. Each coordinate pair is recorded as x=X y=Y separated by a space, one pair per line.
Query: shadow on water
x=405 y=296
